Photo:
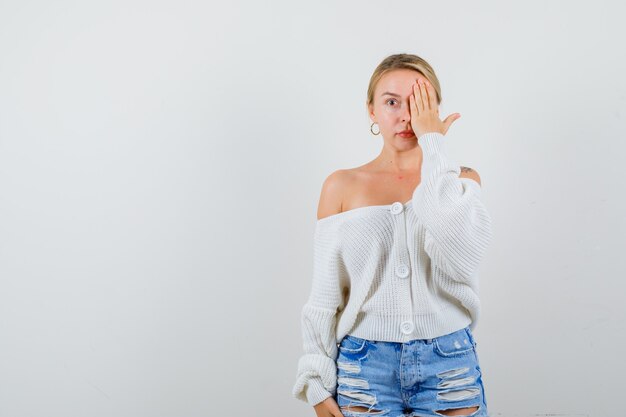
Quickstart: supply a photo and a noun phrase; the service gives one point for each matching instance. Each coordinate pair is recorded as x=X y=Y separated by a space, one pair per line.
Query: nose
x=406 y=114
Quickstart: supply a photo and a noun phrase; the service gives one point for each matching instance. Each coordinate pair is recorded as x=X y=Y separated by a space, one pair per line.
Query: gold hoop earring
x=373 y=131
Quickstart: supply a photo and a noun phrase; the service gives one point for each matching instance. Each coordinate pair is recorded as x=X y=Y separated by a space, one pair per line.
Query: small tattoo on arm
x=466 y=169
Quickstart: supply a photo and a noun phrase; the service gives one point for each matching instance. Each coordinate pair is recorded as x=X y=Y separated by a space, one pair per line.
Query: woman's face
x=391 y=103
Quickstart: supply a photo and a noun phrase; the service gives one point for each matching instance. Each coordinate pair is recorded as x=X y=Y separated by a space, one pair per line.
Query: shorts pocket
x=457 y=343
x=352 y=344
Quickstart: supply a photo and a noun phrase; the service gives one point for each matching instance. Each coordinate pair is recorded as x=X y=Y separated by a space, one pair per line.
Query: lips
x=406 y=133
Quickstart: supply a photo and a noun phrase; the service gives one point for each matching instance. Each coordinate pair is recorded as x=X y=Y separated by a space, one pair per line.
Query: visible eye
x=391 y=99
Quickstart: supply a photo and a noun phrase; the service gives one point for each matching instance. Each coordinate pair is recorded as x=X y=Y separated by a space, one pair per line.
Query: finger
x=432 y=95
x=424 y=95
x=335 y=410
x=413 y=106
x=449 y=120
x=418 y=98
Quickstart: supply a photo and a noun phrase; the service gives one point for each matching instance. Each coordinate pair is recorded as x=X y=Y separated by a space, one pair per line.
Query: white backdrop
x=160 y=168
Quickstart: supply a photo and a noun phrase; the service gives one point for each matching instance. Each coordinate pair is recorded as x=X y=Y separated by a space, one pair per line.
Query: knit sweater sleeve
x=316 y=377
x=457 y=224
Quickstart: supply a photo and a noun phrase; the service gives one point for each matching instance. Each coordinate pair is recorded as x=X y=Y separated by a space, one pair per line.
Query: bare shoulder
x=331 y=196
x=467 y=172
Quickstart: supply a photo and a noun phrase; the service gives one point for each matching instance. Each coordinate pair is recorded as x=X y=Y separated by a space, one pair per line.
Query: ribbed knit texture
x=394 y=272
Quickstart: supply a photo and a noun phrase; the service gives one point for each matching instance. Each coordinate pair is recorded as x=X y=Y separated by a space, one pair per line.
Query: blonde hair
x=402 y=61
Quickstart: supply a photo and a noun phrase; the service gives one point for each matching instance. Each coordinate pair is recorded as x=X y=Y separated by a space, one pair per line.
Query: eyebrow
x=390 y=94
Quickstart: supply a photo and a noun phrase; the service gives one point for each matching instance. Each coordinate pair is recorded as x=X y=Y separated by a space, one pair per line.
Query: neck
x=396 y=160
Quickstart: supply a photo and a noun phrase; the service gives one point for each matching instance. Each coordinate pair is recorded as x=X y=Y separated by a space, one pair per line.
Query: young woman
x=387 y=328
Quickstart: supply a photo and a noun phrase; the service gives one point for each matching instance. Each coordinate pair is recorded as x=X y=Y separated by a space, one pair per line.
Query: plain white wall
x=160 y=168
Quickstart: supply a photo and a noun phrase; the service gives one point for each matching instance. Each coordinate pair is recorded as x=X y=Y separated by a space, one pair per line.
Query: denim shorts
x=421 y=377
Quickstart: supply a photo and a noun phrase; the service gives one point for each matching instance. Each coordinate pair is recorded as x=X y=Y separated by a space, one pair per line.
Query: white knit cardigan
x=394 y=272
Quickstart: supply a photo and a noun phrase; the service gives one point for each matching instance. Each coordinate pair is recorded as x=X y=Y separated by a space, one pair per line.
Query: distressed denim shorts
x=421 y=377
